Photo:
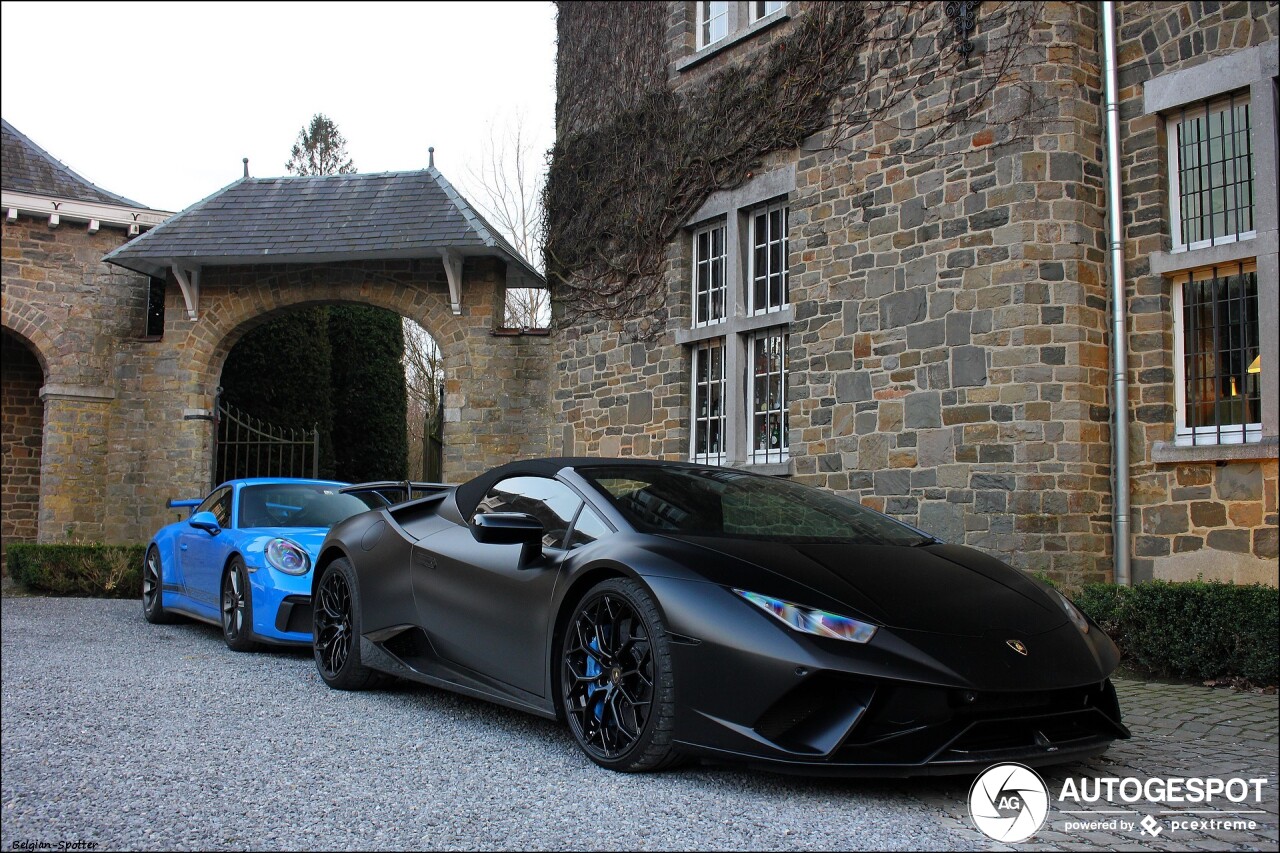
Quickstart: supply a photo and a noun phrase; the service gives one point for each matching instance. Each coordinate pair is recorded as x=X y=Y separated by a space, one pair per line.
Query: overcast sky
x=159 y=102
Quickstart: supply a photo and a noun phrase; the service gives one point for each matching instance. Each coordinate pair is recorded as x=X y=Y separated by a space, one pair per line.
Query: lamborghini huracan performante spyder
x=671 y=610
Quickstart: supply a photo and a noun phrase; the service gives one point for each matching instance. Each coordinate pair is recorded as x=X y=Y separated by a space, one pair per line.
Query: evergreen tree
x=320 y=150
x=369 y=401
x=280 y=373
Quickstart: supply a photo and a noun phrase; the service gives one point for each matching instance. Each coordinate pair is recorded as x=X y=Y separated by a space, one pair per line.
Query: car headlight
x=1073 y=613
x=288 y=557
x=807 y=620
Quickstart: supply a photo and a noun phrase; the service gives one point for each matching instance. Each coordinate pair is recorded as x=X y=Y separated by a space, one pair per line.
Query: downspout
x=1120 y=534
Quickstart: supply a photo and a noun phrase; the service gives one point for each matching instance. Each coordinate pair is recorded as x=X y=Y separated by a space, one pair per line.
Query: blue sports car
x=243 y=559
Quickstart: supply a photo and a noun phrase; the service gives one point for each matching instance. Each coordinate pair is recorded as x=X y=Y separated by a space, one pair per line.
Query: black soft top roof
x=470 y=493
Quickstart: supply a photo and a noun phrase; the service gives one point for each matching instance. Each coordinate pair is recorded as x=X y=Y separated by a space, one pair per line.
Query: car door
x=484 y=607
x=201 y=555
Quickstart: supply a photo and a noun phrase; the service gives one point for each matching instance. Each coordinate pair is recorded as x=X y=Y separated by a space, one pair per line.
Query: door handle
x=184 y=547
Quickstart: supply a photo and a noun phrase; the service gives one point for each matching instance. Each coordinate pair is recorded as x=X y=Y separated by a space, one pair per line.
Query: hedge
x=1193 y=629
x=94 y=571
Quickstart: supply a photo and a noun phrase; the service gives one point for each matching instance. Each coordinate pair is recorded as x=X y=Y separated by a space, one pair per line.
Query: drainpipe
x=1120 y=534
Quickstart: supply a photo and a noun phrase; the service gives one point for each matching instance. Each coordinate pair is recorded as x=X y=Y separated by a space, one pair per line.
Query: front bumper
x=907 y=703
x=281 y=606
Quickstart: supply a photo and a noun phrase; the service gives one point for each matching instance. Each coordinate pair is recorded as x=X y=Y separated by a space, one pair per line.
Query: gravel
x=137 y=736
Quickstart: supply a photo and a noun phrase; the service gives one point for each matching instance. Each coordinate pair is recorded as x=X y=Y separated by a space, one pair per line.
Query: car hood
x=308 y=537
x=933 y=588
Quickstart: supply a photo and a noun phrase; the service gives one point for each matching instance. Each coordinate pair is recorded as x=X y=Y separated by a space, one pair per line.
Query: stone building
x=111 y=366
x=925 y=325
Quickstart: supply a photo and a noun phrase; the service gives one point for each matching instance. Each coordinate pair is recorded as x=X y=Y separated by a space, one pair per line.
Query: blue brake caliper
x=593 y=669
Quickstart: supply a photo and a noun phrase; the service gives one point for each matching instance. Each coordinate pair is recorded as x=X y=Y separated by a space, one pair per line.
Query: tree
x=320 y=150
x=368 y=388
x=509 y=182
x=423 y=374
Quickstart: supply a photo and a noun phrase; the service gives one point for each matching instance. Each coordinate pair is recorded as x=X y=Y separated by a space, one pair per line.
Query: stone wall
x=21 y=437
x=949 y=347
x=1215 y=518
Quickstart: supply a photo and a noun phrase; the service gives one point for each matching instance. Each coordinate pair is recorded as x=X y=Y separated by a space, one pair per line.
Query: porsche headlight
x=810 y=621
x=288 y=557
x=1073 y=613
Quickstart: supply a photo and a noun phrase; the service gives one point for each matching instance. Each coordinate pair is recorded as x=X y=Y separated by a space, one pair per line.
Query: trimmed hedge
x=92 y=571
x=1194 y=629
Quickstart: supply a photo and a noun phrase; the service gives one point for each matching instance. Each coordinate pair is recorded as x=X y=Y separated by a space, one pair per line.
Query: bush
x=92 y=571
x=1193 y=629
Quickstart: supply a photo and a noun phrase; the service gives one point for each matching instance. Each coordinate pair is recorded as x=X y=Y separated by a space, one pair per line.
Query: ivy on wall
x=635 y=158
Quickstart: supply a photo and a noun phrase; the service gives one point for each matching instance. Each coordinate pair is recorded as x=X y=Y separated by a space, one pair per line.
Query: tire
x=237 y=608
x=618 y=697
x=153 y=590
x=335 y=630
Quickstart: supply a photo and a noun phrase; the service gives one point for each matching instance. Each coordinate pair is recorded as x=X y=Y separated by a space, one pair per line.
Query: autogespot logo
x=1009 y=802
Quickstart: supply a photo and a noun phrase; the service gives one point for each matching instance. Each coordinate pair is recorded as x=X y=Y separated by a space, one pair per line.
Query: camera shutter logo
x=1009 y=802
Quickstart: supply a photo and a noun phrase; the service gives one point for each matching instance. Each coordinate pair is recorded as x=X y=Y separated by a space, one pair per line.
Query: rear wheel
x=237 y=608
x=153 y=590
x=336 y=630
x=616 y=683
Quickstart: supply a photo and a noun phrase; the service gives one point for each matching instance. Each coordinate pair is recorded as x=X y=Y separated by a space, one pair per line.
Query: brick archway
x=22 y=374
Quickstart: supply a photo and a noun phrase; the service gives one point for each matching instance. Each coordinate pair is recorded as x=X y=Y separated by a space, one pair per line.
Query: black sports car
x=668 y=610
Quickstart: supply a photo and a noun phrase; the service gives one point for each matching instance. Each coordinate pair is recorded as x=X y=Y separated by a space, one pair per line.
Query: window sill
x=1165 y=263
x=770 y=469
x=1167 y=451
x=729 y=41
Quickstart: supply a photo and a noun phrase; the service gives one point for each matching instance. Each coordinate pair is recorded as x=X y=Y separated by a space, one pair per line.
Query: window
x=1218 y=356
x=739 y=318
x=769 y=396
x=769 y=258
x=708 y=275
x=1211 y=173
x=713 y=22
x=155 y=308
x=218 y=503
x=588 y=528
x=761 y=8
x=551 y=502
x=708 y=402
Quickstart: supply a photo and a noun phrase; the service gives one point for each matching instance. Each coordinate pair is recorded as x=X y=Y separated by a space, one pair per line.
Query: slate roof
x=318 y=220
x=27 y=168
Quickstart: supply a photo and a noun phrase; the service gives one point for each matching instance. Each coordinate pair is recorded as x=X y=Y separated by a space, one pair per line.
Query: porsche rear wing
x=404 y=491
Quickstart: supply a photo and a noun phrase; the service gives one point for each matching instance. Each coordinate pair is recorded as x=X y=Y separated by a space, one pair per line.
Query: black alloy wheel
x=237 y=608
x=336 y=630
x=153 y=589
x=616 y=684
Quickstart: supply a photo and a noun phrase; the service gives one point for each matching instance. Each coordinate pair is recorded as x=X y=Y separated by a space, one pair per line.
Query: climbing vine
x=636 y=157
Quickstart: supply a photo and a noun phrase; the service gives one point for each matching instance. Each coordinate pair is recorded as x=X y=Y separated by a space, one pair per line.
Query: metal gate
x=245 y=446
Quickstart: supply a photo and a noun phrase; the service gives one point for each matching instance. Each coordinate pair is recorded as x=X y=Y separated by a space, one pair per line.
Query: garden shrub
x=1194 y=629
x=91 y=570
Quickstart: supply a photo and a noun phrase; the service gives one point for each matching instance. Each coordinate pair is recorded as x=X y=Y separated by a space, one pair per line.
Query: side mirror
x=206 y=521
x=510 y=528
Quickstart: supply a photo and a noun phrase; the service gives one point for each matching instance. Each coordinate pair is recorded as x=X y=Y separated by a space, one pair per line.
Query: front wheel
x=336 y=630
x=616 y=683
x=237 y=609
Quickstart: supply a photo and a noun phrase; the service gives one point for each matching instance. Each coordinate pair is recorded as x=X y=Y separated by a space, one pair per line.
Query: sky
x=159 y=102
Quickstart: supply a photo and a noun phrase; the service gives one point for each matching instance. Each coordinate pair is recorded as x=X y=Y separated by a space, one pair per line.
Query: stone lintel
x=81 y=393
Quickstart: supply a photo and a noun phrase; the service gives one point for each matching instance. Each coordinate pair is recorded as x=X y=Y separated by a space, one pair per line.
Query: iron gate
x=245 y=446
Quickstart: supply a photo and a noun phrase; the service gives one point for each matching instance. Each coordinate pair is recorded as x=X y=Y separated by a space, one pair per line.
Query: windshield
x=300 y=505
x=718 y=502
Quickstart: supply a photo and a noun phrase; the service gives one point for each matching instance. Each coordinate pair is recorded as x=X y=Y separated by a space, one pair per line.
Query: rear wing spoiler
x=189 y=504
x=410 y=489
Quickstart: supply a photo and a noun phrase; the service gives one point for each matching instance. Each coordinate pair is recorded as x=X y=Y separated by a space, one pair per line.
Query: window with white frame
x=713 y=22
x=769 y=396
x=1217 y=355
x=1211 y=172
x=768 y=273
x=708 y=402
x=708 y=275
x=762 y=8
x=740 y=316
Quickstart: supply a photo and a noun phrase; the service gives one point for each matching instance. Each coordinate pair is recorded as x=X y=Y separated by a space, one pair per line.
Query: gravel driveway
x=129 y=735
